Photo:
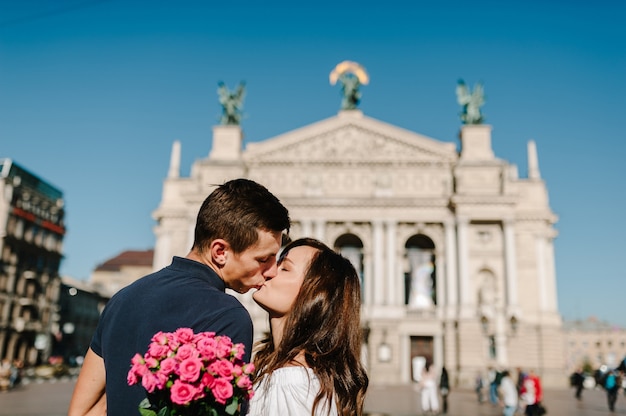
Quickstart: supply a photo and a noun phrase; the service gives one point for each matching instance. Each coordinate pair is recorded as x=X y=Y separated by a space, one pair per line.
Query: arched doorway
x=351 y=247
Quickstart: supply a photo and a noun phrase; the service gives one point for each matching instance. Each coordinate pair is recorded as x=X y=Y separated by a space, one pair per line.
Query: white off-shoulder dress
x=291 y=392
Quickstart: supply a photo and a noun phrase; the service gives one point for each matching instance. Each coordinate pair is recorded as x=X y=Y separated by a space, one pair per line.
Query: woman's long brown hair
x=324 y=322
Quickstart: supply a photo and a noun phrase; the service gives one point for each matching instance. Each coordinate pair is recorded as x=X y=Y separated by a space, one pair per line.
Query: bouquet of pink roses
x=185 y=373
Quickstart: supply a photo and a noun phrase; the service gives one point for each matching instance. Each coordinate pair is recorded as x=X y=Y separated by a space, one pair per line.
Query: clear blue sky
x=93 y=93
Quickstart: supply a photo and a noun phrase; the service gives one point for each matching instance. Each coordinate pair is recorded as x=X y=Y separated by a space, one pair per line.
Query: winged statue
x=471 y=101
x=351 y=75
x=232 y=103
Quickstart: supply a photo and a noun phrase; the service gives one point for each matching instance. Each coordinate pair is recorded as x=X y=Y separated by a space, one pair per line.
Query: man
x=578 y=381
x=508 y=391
x=238 y=234
x=611 y=384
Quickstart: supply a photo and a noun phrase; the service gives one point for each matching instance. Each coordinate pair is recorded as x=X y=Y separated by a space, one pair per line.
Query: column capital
x=462 y=220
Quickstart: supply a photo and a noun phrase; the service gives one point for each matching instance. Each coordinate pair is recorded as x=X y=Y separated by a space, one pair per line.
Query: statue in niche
x=232 y=103
x=471 y=102
x=351 y=75
x=422 y=268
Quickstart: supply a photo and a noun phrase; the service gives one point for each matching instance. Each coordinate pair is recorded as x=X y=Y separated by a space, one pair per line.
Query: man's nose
x=271 y=271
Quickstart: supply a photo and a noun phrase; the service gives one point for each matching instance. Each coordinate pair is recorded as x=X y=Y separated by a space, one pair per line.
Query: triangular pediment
x=350 y=137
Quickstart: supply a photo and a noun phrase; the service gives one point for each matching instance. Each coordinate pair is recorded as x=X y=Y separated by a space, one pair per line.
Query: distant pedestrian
x=532 y=394
x=444 y=388
x=494 y=382
x=508 y=391
x=611 y=384
x=478 y=387
x=521 y=375
x=578 y=382
x=428 y=385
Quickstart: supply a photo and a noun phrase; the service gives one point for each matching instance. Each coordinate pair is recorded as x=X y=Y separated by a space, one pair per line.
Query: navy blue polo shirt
x=184 y=294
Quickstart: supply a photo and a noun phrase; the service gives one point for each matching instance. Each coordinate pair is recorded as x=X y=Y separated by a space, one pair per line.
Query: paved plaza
x=51 y=398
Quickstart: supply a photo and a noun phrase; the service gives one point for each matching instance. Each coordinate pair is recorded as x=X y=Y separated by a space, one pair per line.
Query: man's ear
x=219 y=251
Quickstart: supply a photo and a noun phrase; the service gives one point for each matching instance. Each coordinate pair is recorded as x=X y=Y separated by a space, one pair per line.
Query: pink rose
x=168 y=366
x=162 y=379
x=208 y=380
x=248 y=368
x=160 y=338
x=182 y=393
x=186 y=351
x=203 y=335
x=239 y=350
x=184 y=335
x=149 y=382
x=137 y=359
x=151 y=362
x=244 y=382
x=206 y=347
x=222 y=368
x=237 y=370
x=189 y=369
x=158 y=350
x=131 y=378
x=224 y=347
x=136 y=372
x=222 y=390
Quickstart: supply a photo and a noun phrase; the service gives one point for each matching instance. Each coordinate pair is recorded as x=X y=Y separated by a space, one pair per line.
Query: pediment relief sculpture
x=347 y=144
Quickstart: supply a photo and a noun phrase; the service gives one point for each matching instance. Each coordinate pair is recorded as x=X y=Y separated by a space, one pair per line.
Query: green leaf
x=233 y=407
x=164 y=412
x=145 y=404
x=146 y=412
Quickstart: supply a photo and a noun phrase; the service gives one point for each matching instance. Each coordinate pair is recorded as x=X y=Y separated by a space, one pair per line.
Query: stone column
x=440 y=277
x=510 y=266
x=541 y=273
x=438 y=357
x=162 y=249
x=462 y=224
x=379 y=271
x=451 y=271
x=391 y=263
x=307 y=228
x=320 y=230
x=551 y=276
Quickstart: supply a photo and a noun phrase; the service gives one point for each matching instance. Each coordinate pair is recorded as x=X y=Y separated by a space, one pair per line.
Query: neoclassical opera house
x=455 y=251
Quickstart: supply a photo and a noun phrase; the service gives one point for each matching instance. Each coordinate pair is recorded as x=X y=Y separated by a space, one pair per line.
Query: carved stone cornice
x=482 y=200
x=365 y=203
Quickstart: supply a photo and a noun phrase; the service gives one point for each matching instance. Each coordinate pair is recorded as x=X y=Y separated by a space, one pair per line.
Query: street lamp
x=484 y=323
x=514 y=324
x=383 y=351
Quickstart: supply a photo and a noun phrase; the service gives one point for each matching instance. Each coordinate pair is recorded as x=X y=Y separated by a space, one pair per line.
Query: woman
x=428 y=385
x=310 y=363
x=531 y=393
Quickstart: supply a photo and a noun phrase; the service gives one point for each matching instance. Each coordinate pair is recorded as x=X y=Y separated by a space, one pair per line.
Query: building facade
x=454 y=249
x=31 y=244
x=121 y=270
x=592 y=343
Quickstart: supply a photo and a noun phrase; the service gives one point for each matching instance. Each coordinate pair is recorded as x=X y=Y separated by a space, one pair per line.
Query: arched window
x=351 y=247
x=420 y=283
